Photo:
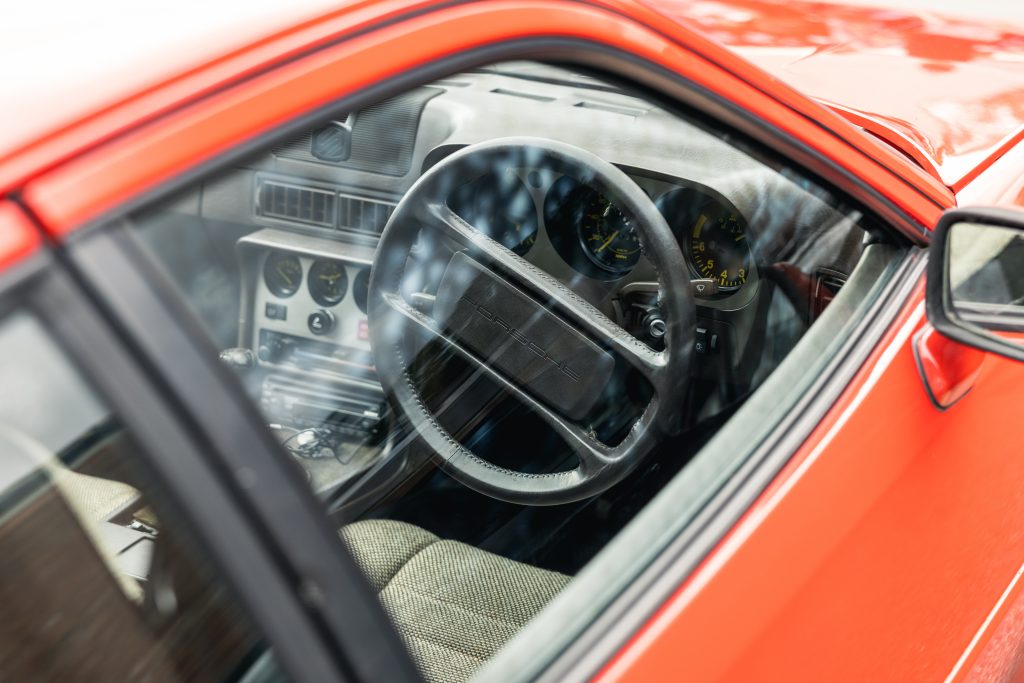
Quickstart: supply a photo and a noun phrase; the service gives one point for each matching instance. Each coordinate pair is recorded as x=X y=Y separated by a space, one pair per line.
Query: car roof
x=948 y=92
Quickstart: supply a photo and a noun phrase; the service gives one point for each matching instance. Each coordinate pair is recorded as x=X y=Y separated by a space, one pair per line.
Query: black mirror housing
x=975 y=290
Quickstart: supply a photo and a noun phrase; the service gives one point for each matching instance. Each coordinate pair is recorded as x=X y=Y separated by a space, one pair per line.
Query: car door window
x=99 y=580
x=492 y=317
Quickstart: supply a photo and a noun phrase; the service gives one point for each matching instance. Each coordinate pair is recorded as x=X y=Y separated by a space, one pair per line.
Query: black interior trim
x=819 y=124
x=574 y=51
x=441 y=5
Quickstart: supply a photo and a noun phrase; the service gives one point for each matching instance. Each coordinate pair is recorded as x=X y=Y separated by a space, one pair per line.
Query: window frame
x=665 y=86
x=287 y=612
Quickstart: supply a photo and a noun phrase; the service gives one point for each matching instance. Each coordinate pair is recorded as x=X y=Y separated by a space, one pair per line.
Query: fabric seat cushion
x=452 y=604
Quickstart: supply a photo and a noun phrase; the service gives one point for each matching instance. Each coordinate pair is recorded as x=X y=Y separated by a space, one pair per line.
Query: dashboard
x=304 y=220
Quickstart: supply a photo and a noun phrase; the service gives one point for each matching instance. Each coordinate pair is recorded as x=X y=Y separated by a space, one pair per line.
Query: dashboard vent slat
x=321 y=207
x=364 y=215
x=308 y=205
x=524 y=95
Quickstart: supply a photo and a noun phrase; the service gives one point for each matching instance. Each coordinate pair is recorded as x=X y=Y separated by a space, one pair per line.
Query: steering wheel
x=526 y=331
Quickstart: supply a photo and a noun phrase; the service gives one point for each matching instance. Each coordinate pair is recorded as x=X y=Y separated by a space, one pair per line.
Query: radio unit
x=277 y=348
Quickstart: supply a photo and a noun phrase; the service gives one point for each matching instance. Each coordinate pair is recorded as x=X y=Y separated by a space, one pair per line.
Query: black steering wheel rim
x=392 y=319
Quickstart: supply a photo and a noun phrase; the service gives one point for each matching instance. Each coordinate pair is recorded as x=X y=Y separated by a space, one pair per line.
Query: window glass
x=97 y=579
x=493 y=316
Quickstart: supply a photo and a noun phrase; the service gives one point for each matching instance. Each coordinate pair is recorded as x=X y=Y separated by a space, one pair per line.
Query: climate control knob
x=320 y=322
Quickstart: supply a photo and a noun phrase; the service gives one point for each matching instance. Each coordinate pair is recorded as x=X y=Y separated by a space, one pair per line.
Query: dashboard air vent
x=363 y=215
x=320 y=206
x=827 y=283
x=611 y=108
x=296 y=203
x=381 y=140
x=524 y=95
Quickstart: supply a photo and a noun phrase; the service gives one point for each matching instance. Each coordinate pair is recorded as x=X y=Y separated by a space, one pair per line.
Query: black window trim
x=655 y=584
x=645 y=78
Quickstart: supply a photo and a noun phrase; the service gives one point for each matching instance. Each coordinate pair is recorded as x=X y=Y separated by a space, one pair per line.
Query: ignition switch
x=654 y=325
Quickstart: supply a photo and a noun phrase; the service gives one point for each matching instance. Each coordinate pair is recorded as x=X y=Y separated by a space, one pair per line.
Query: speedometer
x=607 y=237
x=589 y=230
x=500 y=206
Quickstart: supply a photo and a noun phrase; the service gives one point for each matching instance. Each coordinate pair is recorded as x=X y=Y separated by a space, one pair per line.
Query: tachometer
x=713 y=235
x=282 y=273
x=717 y=245
x=328 y=282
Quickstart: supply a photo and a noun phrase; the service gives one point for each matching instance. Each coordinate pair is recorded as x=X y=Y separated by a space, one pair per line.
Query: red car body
x=904 y=519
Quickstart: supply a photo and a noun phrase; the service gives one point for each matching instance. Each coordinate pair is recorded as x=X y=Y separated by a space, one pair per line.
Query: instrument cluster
x=591 y=233
x=327 y=280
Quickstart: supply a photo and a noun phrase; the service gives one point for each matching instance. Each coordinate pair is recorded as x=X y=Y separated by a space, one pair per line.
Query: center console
x=303 y=317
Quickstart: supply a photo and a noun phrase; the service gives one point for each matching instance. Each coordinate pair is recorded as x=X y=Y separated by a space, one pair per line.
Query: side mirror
x=976 y=279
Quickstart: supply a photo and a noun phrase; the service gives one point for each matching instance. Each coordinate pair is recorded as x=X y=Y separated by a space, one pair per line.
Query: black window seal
x=658 y=582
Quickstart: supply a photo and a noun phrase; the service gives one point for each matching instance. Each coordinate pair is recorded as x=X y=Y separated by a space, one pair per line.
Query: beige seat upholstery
x=454 y=605
x=92 y=499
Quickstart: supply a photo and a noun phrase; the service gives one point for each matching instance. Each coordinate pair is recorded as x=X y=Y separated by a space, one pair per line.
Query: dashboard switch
x=269 y=351
x=276 y=311
x=320 y=322
x=703 y=288
x=700 y=344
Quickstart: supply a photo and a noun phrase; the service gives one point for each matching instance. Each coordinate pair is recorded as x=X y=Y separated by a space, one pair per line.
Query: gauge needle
x=284 y=275
x=607 y=242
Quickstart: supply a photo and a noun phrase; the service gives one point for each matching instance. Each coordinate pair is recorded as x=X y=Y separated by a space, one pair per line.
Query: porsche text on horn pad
x=522 y=338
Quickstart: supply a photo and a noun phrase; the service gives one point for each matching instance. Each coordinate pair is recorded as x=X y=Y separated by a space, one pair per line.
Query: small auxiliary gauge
x=328 y=282
x=282 y=273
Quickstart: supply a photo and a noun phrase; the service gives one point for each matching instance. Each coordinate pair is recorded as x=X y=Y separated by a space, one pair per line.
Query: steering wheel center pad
x=521 y=337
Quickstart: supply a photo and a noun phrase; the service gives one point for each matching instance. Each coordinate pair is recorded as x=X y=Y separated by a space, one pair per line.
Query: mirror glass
x=985 y=266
